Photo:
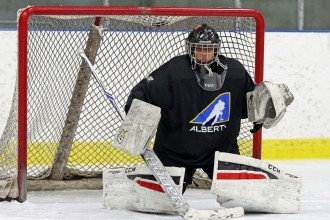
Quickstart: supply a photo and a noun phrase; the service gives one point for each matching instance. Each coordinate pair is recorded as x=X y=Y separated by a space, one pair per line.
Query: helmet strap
x=224 y=66
x=193 y=64
x=208 y=69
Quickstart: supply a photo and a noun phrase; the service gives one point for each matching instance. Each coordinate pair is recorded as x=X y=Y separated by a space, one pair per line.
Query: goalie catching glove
x=267 y=103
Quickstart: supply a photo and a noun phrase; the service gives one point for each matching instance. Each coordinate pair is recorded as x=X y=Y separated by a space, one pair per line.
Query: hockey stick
x=99 y=82
x=163 y=177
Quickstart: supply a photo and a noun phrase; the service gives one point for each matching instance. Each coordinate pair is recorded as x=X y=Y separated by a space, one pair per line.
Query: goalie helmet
x=203 y=48
x=203 y=38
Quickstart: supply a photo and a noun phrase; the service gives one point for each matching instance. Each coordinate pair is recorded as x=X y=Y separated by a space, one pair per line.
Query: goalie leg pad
x=135 y=188
x=255 y=185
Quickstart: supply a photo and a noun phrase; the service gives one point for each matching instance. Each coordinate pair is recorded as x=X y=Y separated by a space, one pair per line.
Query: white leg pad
x=255 y=185
x=136 y=189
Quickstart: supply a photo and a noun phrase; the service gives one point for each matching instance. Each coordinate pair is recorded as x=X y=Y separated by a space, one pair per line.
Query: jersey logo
x=216 y=112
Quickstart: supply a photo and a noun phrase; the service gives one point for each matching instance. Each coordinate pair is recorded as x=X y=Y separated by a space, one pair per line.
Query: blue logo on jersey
x=216 y=112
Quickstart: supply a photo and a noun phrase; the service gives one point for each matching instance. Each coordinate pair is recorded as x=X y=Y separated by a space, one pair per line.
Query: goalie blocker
x=255 y=185
x=138 y=129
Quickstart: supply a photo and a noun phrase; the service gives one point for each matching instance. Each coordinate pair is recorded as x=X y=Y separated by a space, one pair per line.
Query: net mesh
x=131 y=48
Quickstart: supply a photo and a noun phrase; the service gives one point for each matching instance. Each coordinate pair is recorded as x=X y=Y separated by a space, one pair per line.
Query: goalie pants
x=190 y=170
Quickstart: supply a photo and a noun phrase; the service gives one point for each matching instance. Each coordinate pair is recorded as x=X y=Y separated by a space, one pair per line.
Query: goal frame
x=99 y=11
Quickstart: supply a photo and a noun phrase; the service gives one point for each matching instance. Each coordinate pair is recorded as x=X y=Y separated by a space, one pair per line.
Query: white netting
x=132 y=47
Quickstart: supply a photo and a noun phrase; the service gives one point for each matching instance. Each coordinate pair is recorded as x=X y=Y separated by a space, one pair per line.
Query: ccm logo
x=130 y=169
x=273 y=168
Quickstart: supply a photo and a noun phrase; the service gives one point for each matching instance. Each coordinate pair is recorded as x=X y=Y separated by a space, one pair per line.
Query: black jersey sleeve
x=139 y=91
x=249 y=86
x=154 y=89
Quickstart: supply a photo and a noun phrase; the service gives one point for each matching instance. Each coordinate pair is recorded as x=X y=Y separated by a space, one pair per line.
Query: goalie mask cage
x=61 y=124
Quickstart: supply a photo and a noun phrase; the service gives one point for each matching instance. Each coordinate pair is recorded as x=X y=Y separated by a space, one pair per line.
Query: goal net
x=61 y=124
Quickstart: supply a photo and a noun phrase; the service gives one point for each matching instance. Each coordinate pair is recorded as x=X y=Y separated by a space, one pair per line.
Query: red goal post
x=136 y=41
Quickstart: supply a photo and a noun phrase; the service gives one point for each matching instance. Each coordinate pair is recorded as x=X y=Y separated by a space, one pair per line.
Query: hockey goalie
x=196 y=102
x=238 y=181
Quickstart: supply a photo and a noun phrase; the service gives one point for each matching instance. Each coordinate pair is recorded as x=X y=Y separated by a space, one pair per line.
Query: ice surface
x=87 y=204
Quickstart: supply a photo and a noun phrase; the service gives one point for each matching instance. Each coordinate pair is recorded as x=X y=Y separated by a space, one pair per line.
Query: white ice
x=87 y=204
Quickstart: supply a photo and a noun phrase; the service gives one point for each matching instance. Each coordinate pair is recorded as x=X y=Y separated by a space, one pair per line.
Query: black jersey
x=194 y=122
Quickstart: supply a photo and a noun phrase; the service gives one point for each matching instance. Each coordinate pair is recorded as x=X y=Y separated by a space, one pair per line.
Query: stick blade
x=197 y=214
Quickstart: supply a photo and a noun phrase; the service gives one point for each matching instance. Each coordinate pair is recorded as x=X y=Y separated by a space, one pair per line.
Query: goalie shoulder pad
x=267 y=103
x=255 y=185
x=138 y=128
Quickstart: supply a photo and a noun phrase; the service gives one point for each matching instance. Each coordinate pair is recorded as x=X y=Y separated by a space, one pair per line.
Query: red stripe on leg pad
x=150 y=185
x=240 y=176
